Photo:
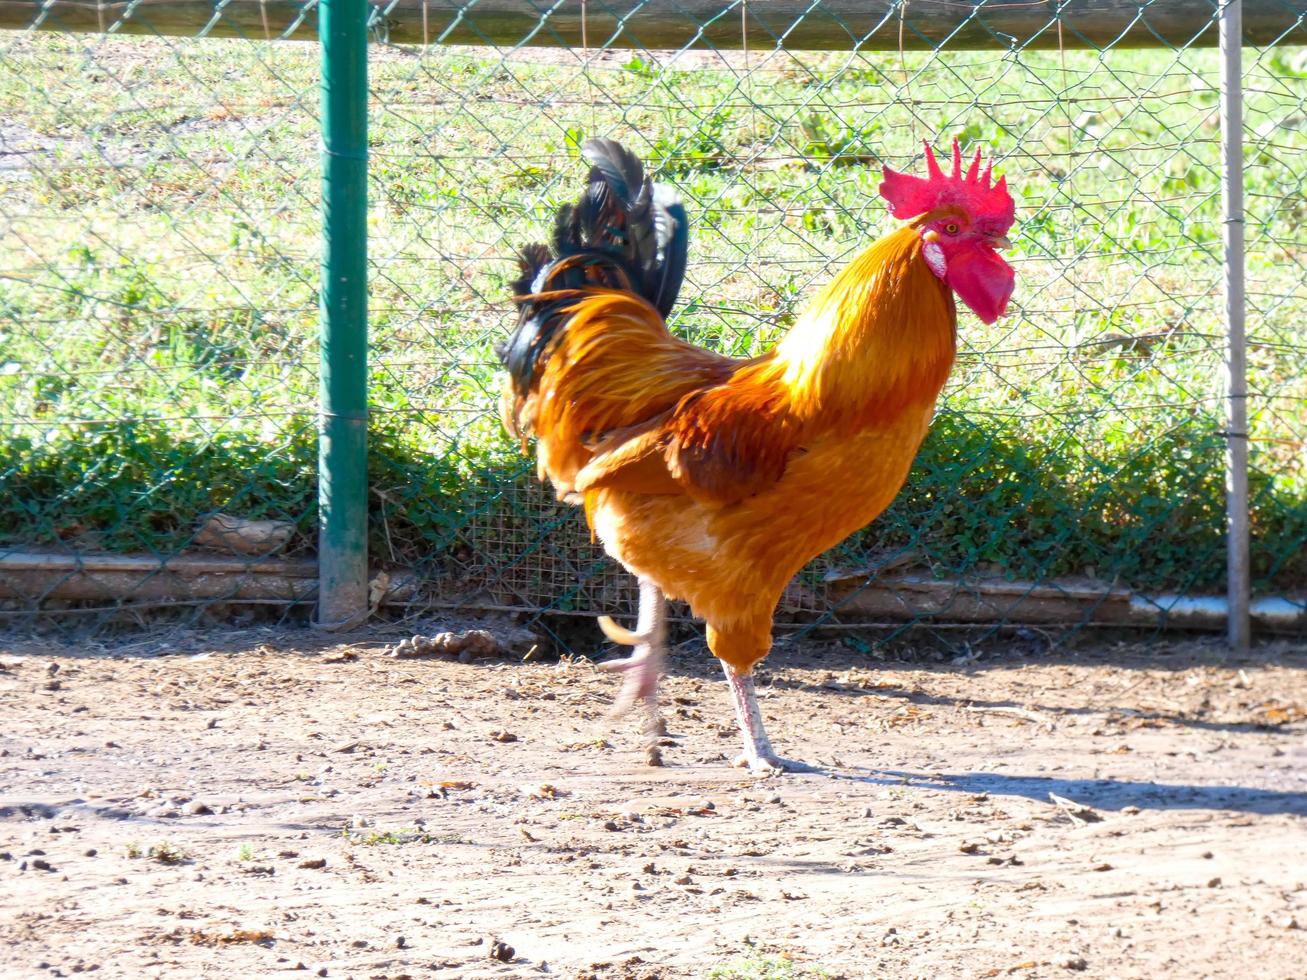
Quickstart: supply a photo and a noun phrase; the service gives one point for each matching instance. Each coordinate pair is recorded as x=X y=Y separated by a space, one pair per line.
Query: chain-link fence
x=158 y=294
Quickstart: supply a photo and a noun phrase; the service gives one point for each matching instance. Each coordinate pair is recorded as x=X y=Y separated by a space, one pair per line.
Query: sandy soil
x=255 y=804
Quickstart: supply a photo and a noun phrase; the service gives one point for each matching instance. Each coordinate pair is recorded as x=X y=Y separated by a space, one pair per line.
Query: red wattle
x=982 y=280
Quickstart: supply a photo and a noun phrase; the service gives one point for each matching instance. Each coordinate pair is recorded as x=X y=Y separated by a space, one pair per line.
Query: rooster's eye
x=951 y=227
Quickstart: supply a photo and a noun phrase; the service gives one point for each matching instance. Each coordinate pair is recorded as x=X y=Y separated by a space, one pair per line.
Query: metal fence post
x=342 y=453
x=1231 y=31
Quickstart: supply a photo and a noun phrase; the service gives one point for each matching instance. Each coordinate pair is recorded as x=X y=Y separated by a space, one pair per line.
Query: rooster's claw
x=771 y=765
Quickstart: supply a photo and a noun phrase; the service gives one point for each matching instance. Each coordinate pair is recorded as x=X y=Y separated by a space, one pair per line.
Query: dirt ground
x=257 y=803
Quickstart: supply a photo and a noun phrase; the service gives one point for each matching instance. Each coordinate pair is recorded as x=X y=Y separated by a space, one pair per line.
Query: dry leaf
x=1273 y=714
x=257 y=937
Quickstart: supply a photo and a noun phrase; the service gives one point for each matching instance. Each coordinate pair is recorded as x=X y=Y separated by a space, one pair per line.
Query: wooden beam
x=985 y=600
x=36 y=577
x=31 y=578
x=832 y=25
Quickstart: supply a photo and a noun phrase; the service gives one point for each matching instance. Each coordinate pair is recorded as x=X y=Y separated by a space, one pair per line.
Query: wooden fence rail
x=673 y=24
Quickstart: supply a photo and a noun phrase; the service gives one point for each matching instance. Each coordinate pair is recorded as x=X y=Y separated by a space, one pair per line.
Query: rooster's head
x=963 y=218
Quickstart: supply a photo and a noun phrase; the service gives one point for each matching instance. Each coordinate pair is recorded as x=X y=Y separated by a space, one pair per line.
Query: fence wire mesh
x=158 y=201
x=158 y=300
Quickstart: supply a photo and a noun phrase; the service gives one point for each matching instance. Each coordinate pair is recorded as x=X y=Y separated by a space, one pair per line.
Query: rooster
x=711 y=479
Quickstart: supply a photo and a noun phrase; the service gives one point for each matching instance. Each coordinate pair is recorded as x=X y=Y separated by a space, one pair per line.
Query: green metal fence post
x=342 y=453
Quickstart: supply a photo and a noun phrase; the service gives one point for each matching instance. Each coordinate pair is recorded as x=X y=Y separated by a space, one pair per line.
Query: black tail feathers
x=625 y=232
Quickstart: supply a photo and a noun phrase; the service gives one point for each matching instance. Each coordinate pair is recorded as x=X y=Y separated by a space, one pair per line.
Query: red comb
x=972 y=191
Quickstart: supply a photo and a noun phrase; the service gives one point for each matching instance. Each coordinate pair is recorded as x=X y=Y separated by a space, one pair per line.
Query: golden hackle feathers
x=871 y=341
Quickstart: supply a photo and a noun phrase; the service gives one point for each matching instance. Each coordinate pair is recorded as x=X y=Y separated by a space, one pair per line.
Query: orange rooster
x=715 y=480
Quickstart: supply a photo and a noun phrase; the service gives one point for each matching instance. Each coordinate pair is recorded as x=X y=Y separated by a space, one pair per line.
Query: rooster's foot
x=643 y=668
x=770 y=764
x=757 y=755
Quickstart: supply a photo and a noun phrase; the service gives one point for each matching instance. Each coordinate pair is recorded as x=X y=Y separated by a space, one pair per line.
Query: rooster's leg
x=758 y=754
x=644 y=667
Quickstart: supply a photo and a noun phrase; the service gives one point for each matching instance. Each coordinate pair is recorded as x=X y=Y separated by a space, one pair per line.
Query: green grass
x=403 y=835
x=764 y=968
x=158 y=292
x=164 y=852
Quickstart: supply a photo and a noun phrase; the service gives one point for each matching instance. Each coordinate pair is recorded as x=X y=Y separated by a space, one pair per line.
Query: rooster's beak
x=1001 y=241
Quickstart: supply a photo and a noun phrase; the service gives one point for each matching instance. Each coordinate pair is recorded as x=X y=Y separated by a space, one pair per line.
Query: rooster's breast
x=726 y=559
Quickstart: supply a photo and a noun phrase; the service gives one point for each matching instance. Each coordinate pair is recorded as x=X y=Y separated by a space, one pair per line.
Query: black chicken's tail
x=625 y=232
